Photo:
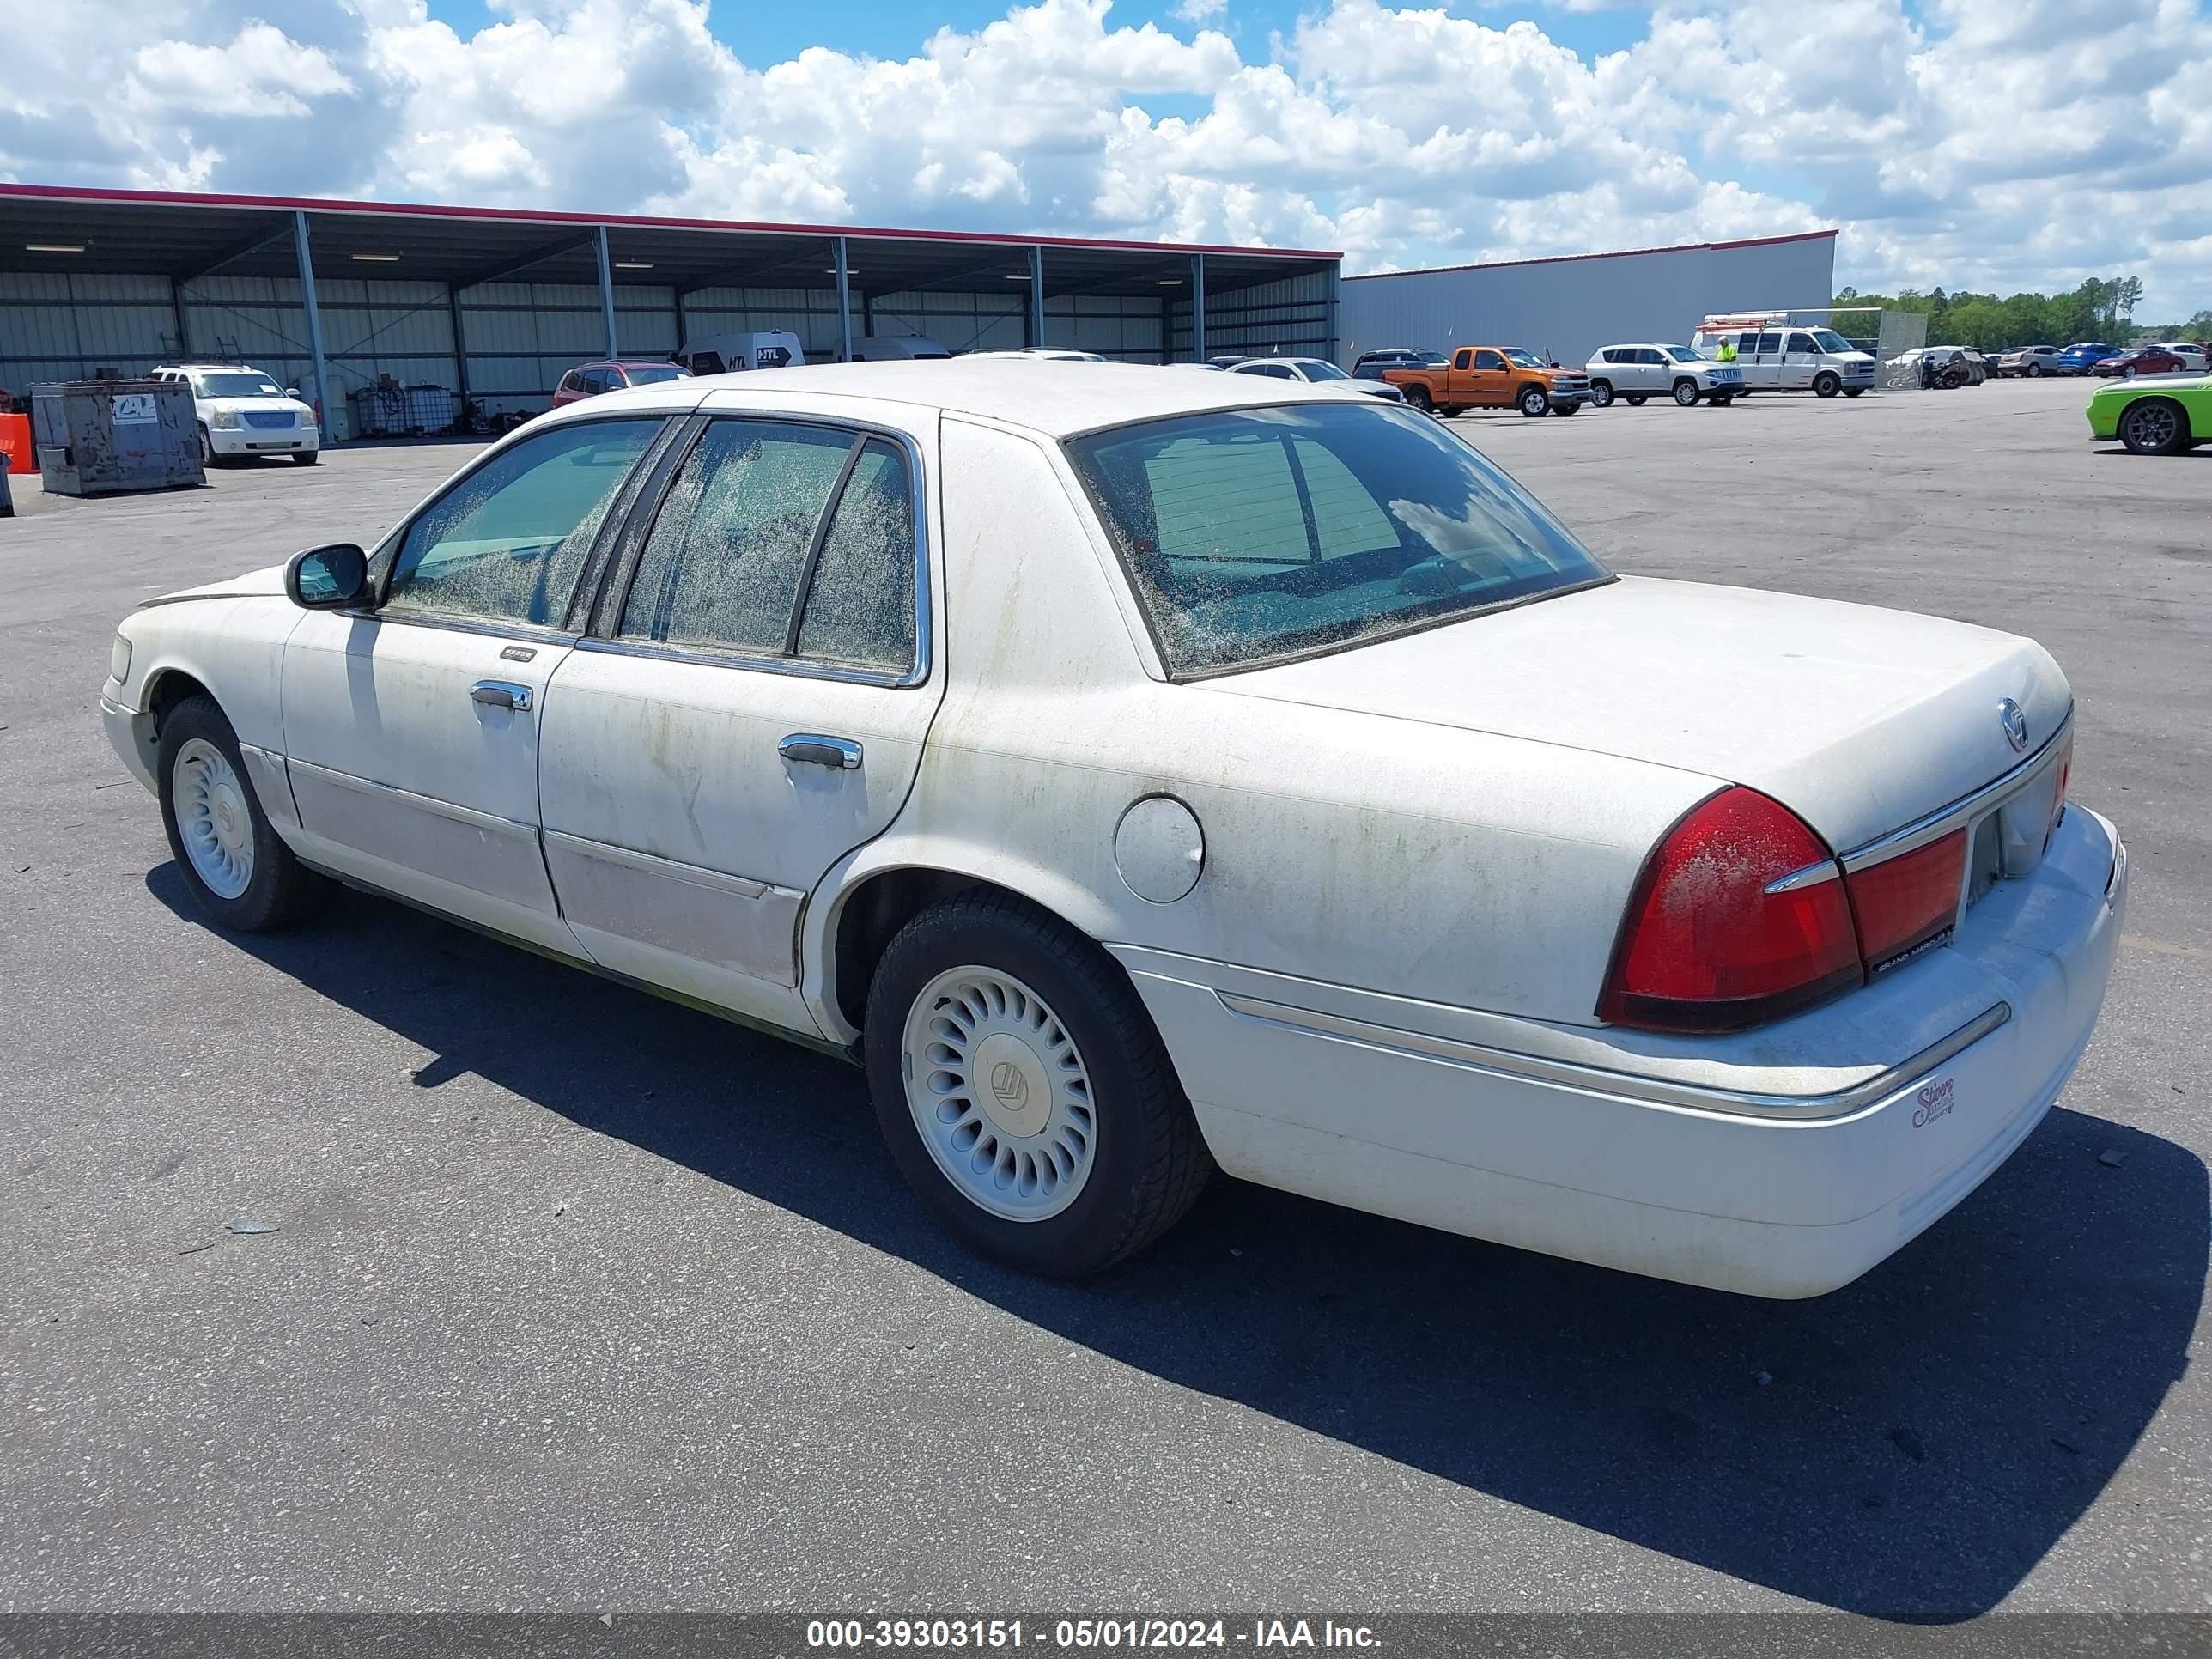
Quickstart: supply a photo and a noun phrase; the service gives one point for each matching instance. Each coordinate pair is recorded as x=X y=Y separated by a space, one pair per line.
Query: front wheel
x=1601 y=394
x=2154 y=426
x=1685 y=392
x=1534 y=401
x=239 y=874
x=1023 y=1092
x=207 y=450
x=1827 y=385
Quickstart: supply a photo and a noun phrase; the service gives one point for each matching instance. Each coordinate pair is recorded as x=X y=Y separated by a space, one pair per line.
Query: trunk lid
x=1857 y=719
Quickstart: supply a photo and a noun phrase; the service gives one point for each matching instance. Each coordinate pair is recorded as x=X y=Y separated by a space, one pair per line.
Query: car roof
x=1056 y=399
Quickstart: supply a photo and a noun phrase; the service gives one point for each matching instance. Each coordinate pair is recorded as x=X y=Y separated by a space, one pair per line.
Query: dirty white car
x=1143 y=773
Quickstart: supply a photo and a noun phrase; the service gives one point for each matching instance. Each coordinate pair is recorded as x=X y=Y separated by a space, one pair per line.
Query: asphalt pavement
x=579 y=1300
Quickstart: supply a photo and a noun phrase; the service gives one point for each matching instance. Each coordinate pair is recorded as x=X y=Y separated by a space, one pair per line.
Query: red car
x=2145 y=360
x=589 y=379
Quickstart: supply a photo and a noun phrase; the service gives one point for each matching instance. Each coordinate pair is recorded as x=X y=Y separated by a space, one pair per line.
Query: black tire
x=209 y=458
x=1685 y=392
x=1855 y=392
x=1533 y=402
x=1571 y=407
x=2034 y=371
x=1601 y=394
x=1720 y=399
x=1634 y=400
x=1419 y=397
x=305 y=457
x=1151 y=1161
x=1826 y=384
x=281 y=890
x=2155 y=426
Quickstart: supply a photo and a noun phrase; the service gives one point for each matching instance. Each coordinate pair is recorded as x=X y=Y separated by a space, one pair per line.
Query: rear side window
x=1770 y=341
x=707 y=363
x=764 y=512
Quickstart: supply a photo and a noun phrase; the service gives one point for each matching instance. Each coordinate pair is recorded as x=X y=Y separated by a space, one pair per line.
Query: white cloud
x=2000 y=143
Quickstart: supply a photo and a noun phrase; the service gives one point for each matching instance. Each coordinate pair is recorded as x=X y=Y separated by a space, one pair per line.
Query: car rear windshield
x=1255 y=535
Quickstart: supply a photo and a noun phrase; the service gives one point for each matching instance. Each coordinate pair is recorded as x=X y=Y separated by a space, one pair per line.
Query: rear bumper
x=1789 y=1189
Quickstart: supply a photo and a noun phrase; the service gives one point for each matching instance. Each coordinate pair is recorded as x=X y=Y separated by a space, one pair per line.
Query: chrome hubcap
x=213 y=819
x=998 y=1093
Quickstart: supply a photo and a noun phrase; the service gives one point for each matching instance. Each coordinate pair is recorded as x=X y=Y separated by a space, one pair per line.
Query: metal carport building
x=496 y=303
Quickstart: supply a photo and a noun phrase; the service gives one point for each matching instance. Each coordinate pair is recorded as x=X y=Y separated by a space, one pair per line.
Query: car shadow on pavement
x=1909 y=1447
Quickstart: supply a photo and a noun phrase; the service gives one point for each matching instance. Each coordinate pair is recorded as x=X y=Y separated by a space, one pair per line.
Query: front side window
x=1488 y=360
x=1255 y=535
x=1802 y=342
x=756 y=518
x=507 y=542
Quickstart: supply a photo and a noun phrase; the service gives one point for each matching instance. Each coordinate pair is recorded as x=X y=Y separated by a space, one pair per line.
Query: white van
x=895 y=348
x=724 y=354
x=1778 y=356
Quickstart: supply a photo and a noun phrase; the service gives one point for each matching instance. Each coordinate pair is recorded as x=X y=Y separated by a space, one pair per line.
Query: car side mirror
x=293 y=392
x=327 y=578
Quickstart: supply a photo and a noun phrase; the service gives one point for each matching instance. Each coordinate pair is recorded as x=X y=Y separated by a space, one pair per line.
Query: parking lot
x=580 y=1300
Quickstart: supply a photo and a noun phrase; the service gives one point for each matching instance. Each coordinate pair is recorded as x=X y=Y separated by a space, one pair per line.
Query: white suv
x=1633 y=372
x=242 y=411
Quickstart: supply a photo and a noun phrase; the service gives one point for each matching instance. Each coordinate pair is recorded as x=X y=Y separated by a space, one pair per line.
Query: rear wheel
x=241 y=875
x=1023 y=1092
x=1534 y=401
x=1685 y=392
x=2034 y=371
x=1571 y=407
x=1601 y=394
x=305 y=457
x=1720 y=399
x=1419 y=397
x=1634 y=400
x=1855 y=392
x=2155 y=426
x=1826 y=384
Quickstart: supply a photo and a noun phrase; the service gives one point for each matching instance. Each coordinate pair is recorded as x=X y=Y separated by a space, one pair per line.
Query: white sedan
x=1138 y=774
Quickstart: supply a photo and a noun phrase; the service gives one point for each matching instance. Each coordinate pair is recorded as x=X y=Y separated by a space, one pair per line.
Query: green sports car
x=2162 y=415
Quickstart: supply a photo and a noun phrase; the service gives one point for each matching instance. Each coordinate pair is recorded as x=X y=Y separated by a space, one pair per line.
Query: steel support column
x=606 y=289
x=1198 y=308
x=844 y=302
x=324 y=414
x=1036 y=294
x=460 y=345
x=183 y=332
x=1336 y=312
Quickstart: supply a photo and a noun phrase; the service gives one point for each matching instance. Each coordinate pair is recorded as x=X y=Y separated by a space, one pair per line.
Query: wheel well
x=872 y=914
x=170 y=686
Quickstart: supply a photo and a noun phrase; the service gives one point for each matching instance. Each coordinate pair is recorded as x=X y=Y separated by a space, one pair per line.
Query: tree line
x=2102 y=309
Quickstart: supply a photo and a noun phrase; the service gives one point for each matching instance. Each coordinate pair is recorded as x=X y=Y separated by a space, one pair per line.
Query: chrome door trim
x=652 y=864
x=445 y=809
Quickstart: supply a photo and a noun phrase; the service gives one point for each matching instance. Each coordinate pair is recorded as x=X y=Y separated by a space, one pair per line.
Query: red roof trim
x=615 y=220
x=1624 y=254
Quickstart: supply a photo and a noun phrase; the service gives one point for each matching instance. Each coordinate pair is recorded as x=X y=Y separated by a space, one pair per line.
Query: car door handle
x=501 y=694
x=842 y=754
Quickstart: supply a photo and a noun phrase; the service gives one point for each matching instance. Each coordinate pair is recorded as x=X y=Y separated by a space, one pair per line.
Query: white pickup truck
x=1776 y=355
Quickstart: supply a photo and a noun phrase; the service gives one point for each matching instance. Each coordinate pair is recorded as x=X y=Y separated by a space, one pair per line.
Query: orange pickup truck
x=1493 y=377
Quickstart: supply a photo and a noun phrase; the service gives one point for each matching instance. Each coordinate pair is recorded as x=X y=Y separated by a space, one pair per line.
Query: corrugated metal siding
x=1570 y=308
x=65 y=326
x=1289 y=319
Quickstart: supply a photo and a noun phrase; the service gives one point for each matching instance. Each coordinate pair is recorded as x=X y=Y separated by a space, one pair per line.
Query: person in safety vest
x=1727 y=353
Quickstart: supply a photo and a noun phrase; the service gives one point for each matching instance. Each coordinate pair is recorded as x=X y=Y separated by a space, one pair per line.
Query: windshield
x=1317 y=370
x=1828 y=340
x=654 y=374
x=1526 y=359
x=238 y=386
x=1253 y=535
x=1681 y=353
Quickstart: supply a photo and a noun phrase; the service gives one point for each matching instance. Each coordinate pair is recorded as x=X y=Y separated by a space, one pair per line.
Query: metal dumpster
x=100 y=437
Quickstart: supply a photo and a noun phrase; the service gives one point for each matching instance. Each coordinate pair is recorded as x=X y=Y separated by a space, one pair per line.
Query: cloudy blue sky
x=1991 y=143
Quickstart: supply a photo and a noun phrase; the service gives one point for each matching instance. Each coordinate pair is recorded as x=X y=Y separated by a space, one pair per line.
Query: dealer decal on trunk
x=1934 y=1101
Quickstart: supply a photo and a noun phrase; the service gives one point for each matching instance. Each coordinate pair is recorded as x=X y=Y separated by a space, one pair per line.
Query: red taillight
x=1907 y=900
x=1709 y=945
